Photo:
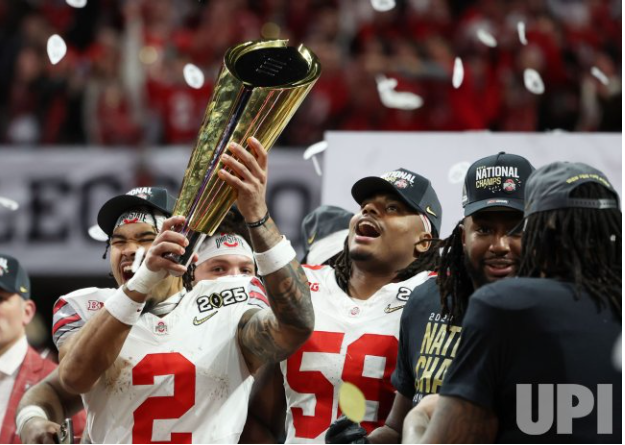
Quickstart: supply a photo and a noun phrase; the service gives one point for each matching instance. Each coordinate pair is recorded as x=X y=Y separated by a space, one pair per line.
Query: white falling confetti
x=458 y=75
x=600 y=75
x=9 y=204
x=521 y=29
x=486 y=38
x=533 y=81
x=402 y=100
x=312 y=152
x=138 y=258
x=97 y=233
x=383 y=5
x=56 y=48
x=193 y=76
x=76 y=3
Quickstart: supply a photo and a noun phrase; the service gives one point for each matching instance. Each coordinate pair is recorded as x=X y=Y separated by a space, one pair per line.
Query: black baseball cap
x=550 y=187
x=494 y=182
x=317 y=228
x=415 y=190
x=13 y=277
x=151 y=197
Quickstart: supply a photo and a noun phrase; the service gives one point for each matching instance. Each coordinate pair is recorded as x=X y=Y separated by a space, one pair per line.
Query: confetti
x=138 y=258
x=486 y=38
x=56 y=48
x=390 y=98
x=314 y=150
x=458 y=76
x=533 y=81
x=97 y=234
x=521 y=29
x=193 y=76
x=9 y=204
x=76 y=3
x=383 y=5
x=352 y=402
x=600 y=75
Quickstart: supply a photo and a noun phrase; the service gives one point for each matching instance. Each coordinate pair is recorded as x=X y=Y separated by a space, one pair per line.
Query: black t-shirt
x=530 y=331
x=427 y=344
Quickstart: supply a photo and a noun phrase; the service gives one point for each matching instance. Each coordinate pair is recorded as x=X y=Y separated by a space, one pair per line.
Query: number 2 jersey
x=354 y=341
x=180 y=378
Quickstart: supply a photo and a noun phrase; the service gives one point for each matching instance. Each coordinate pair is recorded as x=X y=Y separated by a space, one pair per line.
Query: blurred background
x=117 y=110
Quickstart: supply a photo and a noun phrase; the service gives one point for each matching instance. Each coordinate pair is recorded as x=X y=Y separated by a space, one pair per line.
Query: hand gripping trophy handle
x=260 y=86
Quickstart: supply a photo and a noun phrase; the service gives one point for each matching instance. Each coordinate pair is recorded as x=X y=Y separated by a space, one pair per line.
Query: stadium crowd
x=124 y=67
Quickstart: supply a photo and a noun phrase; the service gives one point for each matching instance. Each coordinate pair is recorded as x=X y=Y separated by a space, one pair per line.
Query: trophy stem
x=195 y=240
x=242 y=100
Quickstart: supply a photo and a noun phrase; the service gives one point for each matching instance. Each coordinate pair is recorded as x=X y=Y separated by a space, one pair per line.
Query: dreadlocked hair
x=427 y=260
x=454 y=283
x=579 y=245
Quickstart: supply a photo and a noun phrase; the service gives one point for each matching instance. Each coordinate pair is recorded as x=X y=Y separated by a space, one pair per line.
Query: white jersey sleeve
x=71 y=311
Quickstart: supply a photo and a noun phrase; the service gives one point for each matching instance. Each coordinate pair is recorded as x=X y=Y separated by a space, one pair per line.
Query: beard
x=360 y=256
x=476 y=274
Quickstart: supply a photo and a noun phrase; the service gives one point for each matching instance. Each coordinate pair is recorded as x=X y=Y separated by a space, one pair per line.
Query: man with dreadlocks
x=208 y=342
x=357 y=305
x=549 y=332
x=479 y=251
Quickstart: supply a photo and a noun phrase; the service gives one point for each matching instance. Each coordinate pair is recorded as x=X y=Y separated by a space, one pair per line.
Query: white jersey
x=180 y=378
x=354 y=341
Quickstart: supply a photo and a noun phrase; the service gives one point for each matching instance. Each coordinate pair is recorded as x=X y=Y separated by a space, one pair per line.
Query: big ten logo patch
x=94 y=305
x=224 y=298
x=438 y=348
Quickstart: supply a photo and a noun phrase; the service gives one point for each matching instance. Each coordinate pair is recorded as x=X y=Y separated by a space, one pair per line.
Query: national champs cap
x=415 y=190
x=152 y=197
x=13 y=277
x=550 y=187
x=496 y=181
x=324 y=231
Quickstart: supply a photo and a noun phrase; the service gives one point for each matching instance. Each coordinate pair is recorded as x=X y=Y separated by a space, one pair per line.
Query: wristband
x=260 y=222
x=275 y=258
x=123 y=308
x=27 y=413
x=144 y=279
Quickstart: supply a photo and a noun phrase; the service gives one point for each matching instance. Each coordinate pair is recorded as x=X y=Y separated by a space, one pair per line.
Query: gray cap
x=550 y=187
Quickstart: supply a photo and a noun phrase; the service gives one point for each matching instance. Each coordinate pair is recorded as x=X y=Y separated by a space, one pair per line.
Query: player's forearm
x=384 y=434
x=415 y=425
x=94 y=349
x=43 y=395
x=287 y=288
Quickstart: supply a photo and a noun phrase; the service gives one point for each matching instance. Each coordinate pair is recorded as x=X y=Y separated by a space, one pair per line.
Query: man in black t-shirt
x=535 y=362
x=479 y=251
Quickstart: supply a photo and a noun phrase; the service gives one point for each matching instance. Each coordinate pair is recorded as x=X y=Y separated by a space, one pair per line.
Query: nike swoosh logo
x=430 y=211
x=198 y=322
x=388 y=309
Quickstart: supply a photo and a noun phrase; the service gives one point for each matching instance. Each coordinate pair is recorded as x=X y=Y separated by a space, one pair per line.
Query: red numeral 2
x=314 y=382
x=163 y=407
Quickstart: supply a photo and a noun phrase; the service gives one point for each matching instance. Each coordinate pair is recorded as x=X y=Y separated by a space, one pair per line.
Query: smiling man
x=479 y=251
x=358 y=304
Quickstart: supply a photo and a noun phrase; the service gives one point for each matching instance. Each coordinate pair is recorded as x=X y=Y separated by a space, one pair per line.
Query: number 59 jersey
x=354 y=341
x=180 y=378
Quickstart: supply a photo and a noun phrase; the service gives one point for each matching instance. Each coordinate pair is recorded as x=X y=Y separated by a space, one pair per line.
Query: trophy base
x=195 y=241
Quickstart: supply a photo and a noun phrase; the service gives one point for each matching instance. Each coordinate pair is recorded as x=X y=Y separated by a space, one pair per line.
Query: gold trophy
x=260 y=86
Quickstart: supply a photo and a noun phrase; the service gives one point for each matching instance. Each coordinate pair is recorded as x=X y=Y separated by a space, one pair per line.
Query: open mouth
x=127 y=272
x=368 y=229
x=500 y=267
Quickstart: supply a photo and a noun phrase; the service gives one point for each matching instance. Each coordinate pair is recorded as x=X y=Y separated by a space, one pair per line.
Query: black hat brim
x=115 y=207
x=486 y=204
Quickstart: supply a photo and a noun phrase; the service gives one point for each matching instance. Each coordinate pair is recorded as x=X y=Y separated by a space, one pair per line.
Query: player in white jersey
x=185 y=376
x=357 y=307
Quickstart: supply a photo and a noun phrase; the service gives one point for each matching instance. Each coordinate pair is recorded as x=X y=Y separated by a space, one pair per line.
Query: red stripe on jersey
x=59 y=324
x=59 y=304
x=259 y=296
x=256 y=282
x=432 y=274
x=308 y=266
